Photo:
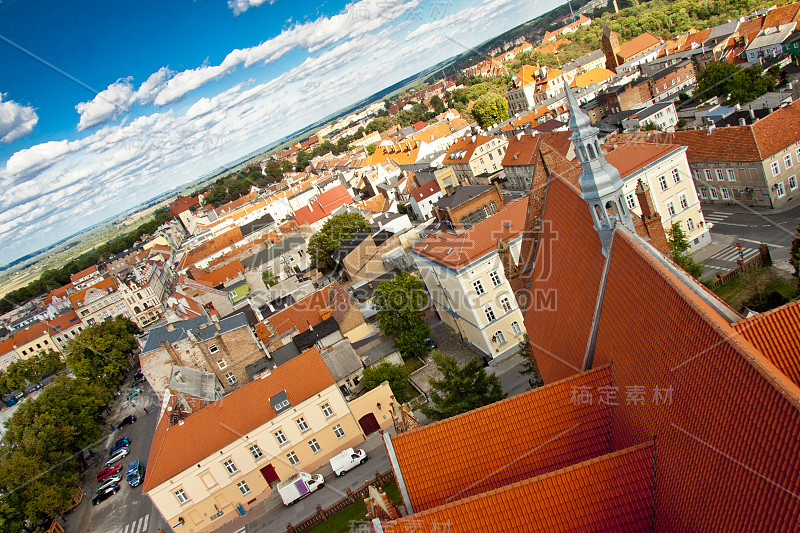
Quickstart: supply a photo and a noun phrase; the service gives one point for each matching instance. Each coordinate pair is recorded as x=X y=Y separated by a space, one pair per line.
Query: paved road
x=750 y=227
x=128 y=511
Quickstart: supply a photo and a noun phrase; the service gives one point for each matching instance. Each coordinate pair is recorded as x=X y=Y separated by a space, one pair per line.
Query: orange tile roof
x=596 y=75
x=457 y=251
x=781 y=15
x=403 y=153
x=533 y=433
x=774 y=333
x=526 y=75
x=179 y=447
x=235 y=204
x=549 y=48
x=7 y=346
x=212 y=246
x=610 y=493
x=31 y=333
x=219 y=275
x=307 y=312
x=424 y=191
x=376 y=204
x=440 y=129
x=638 y=45
x=629 y=158
x=521 y=150
x=750 y=27
x=104 y=283
x=467 y=145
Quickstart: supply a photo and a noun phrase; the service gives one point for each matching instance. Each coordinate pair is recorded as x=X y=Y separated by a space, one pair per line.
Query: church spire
x=600 y=182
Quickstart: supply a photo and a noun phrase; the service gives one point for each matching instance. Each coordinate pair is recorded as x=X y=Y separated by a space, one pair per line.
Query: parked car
x=430 y=343
x=135 y=473
x=138 y=378
x=134 y=393
x=130 y=419
x=119 y=454
x=108 y=472
x=121 y=443
x=299 y=485
x=107 y=482
x=347 y=460
x=107 y=492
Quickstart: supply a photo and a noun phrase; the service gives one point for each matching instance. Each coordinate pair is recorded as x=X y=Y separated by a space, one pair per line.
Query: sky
x=105 y=105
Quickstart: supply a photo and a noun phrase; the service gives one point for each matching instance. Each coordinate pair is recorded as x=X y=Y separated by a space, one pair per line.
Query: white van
x=347 y=460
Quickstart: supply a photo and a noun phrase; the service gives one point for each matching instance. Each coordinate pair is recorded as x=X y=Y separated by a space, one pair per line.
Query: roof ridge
x=728 y=334
x=508 y=400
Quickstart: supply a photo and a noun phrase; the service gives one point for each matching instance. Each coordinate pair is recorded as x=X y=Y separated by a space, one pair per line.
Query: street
x=749 y=227
x=128 y=511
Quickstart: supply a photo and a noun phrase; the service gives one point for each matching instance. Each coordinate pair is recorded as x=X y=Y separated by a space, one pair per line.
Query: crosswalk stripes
x=716 y=217
x=732 y=255
x=138 y=526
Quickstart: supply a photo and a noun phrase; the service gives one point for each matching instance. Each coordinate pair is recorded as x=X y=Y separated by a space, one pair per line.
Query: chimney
x=651 y=219
x=519 y=136
x=474 y=138
x=751 y=114
x=710 y=129
x=742 y=122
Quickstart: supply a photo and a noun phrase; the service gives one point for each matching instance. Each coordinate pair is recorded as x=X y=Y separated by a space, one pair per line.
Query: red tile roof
x=179 y=447
x=182 y=203
x=219 y=275
x=324 y=205
x=424 y=191
x=63 y=322
x=638 y=45
x=7 y=346
x=309 y=311
x=526 y=435
x=467 y=145
x=774 y=333
x=78 y=297
x=31 y=333
x=610 y=493
x=781 y=15
x=220 y=242
x=521 y=150
x=83 y=273
x=456 y=251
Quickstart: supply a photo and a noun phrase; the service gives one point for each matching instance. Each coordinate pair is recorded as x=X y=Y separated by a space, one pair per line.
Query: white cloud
x=16 y=120
x=240 y=6
x=107 y=105
x=152 y=85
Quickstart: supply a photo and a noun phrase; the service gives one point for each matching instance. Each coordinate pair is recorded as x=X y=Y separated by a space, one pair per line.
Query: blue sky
x=105 y=105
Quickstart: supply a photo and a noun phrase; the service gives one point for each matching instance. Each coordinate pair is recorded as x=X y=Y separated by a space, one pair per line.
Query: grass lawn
x=768 y=279
x=411 y=364
x=340 y=522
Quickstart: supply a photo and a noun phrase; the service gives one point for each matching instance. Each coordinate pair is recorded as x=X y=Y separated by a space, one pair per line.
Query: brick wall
x=454 y=215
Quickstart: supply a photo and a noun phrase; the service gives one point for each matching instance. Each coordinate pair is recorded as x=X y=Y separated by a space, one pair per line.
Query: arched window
x=492 y=207
x=591 y=151
x=485 y=212
x=611 y=209
x=499 y=338
x=690 y=224
x=515 y=329
x=598 y=214
x=464 y=221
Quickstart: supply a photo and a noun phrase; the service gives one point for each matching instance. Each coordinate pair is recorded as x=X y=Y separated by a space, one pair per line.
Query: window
x=222 y=364
x=280 y=437
x=243 y=487
x=314 y=445
x=515 y=329
x=181 y=495
x=293 y=460
x=713 y=192
x=708 y=175
x=682 y=201
x=690 y=224
x=779 y=190
x=338 y=431
x=725 y=194
x=676 y=175
x=631 y=201
x=231 y=378
x=256 y=451
x=495 y=277
x=499 y=338
x=670 y=209
x=703 y=192
x=792 y=183
x=720 y=175
x=492 y=207
x=731 y=175
x=213 y=349
x=230 y=466
x=662 y=181
x=797 y=154
x=776 y=168
x=301 y=423
x=489 y=312
x=478 y=287
x=787 y=160
x=326 y=410
x=505 y=304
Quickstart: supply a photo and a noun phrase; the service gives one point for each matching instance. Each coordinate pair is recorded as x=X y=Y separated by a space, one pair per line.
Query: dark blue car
x=121 y=443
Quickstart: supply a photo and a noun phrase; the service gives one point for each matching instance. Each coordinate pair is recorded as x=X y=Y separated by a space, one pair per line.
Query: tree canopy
x=100 y=352
x=460 y=389
x=335 y=232
x=396 y=375
x=490 y=109
x=400 y=304
x=679 y=246
x=24 y=371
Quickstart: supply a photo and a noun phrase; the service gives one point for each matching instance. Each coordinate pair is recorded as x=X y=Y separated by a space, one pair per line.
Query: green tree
x=394 y=374
x=652 y=126
x=269 y=278
x=490 y=109
x=100 y=352
x=750 y=83
x=794 y=257
x=379 y=124
x=302 y=159
x=529 y=366
x=335 y=232
x=371 y=148
x=437 y=104
x=679 y=247
x=400 y=304
x=715 y=80
x=460 y=389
